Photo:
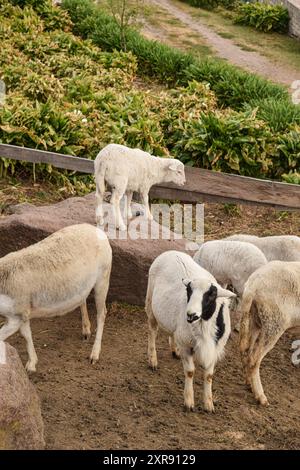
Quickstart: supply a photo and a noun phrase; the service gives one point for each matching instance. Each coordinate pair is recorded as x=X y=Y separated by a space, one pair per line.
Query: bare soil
x=120 y=403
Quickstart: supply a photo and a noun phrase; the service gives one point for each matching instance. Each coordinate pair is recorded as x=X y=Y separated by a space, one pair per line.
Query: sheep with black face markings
x=187 y=302
x=53 y=277
x=128 y=170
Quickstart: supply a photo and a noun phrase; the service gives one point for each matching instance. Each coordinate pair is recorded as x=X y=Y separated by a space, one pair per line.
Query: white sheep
x=230 y=262
x=279 y=247
x=193 y=311
x=270 y=306
x=128 y=170
x=53 y=277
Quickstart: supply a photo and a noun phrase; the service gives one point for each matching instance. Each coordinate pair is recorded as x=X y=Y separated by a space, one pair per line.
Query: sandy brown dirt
x=223 y=47
x=121 y=404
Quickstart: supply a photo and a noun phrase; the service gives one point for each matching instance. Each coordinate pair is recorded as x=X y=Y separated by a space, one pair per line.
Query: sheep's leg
x=189 y=371
x=129 y=195
x=152 y=334
x=152 y=328
x=262 y=347
x=115 y=201
x=246 y=354
x=10 y=327
x=101 y=289
x=145 y=199
x=207 y=389
x=100 y=190
x=86 y=324
x=25 y=331
x=174 y=349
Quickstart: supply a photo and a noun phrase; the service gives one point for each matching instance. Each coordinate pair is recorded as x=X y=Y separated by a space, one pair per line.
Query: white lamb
x=281 y=247
x=128 y=170
x=230 y=262
x=270 y=306
x=193 y=311
x=53 y=277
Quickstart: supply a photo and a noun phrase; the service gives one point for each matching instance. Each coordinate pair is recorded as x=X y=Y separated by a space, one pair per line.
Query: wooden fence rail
x=201 y=185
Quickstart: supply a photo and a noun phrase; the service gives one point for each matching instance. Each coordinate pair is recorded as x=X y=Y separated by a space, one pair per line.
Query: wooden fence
x=201 y=185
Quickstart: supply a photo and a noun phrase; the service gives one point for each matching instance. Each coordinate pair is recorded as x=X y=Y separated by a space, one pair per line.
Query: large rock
x=21 y=424
x=131 y=258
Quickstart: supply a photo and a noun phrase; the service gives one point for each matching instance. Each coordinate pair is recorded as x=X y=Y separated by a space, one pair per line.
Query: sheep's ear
x=186 y=282
x=225 y=293
x=173 y=166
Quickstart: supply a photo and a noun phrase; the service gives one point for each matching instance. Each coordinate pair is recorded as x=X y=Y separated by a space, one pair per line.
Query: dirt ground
x=120 y=403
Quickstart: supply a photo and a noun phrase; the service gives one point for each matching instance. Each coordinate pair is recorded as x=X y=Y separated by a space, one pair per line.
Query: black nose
x=191 y=317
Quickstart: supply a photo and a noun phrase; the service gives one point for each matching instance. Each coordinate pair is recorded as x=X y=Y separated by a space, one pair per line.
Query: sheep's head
x=175 y=172
x=202 y=298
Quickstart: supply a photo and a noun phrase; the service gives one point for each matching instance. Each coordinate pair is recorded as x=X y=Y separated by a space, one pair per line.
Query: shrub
x=278 y=113
x=292 y=177
x=264 y=17
x=231 y=142
x=288 y=145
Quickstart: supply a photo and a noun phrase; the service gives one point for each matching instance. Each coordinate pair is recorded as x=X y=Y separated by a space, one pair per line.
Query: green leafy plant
x=292 y=177
x=263 y=16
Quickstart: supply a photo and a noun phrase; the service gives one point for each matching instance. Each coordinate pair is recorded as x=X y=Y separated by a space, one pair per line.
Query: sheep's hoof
x=99 y=222
x=175 y=355
x=263 y=401
x=209 y=407
x=93 y=360
x=153 y=367
x=86 y=336
x=122 y=228
x=30 y=367
x=189 y=408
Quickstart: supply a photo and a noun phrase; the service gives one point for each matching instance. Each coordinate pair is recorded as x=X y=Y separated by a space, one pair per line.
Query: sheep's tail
x=245 y=326
x=99 y=169
x=148 y=300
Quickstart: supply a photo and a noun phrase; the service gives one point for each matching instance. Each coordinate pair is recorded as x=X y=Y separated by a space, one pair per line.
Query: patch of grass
x=173 y=21
x=225 y=34
x=232 y=209
x=244 y=47
x=201 y=50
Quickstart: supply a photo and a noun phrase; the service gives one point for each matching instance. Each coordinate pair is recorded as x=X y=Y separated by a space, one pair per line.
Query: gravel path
x=226 y=49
